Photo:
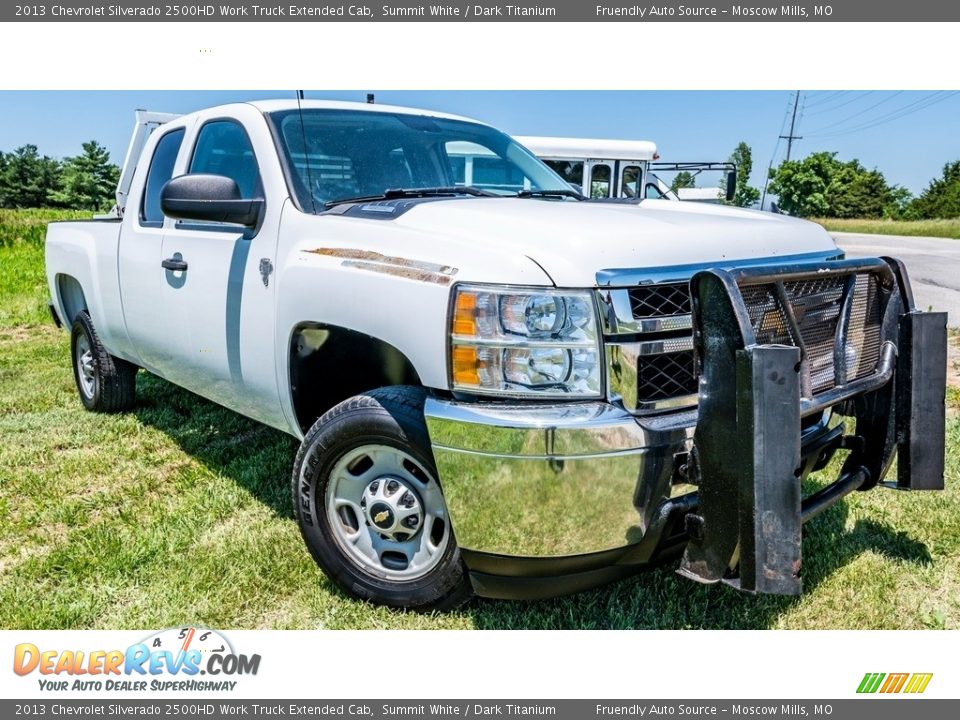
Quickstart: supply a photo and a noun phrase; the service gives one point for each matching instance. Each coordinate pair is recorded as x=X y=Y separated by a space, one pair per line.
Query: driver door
x=220 y=296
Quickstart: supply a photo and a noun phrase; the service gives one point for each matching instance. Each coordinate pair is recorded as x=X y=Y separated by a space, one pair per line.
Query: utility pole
x=789 y=138
x=793 y=123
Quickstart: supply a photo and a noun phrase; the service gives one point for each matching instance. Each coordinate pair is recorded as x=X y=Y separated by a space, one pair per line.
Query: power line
x=857 y=114
x=854 y=99
x=832 y=96
x=901 y=112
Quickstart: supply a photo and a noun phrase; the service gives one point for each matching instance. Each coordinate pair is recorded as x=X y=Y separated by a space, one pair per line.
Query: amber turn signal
x=466 y=366
x=465 y=314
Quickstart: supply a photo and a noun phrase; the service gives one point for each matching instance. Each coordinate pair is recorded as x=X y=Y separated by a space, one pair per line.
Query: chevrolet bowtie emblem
x=381 y=516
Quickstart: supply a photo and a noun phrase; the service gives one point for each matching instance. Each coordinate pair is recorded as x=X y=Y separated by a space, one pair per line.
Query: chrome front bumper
x=554 y=480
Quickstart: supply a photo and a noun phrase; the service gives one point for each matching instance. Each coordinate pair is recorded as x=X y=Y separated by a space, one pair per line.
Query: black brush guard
x=765 y=366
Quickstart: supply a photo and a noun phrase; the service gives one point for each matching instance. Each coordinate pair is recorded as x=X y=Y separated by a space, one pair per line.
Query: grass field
x=179 y=513
x=915 y=228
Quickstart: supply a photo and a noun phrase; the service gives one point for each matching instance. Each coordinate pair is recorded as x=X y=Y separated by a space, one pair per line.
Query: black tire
x=390 y=417
x=109 y=384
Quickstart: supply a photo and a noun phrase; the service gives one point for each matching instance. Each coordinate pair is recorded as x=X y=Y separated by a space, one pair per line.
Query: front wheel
x=370 y=507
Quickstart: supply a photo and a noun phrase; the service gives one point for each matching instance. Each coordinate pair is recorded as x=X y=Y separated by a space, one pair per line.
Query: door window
x=160 y=171
x=223 y=148
x=630 y=181
x=600 y=181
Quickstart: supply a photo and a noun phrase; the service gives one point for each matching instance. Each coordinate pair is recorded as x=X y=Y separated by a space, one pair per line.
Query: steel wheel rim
x=85 y=371
x=352 y=502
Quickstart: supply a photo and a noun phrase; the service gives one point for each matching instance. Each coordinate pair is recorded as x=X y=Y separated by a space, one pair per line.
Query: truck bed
x=81 y=262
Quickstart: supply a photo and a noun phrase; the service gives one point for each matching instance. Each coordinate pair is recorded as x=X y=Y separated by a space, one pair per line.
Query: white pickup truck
x=500 y=388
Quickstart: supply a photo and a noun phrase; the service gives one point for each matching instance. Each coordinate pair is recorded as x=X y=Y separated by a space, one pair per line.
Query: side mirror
x=209 y=198
x=731 y=185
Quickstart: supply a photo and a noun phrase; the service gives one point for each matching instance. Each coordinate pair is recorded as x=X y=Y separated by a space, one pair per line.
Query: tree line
x=819 y=185
x=87 y=181
x=822 y=185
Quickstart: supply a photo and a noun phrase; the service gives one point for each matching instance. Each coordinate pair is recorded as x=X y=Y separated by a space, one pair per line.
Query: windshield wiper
x=394 y=193
x=560 y=192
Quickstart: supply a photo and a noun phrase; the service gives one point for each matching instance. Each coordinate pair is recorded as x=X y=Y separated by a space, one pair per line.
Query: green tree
x=941 y=198
x=28 y=179
x=855 y=192
x=801 y=185
x=683 y=179
x=822 y=186
x=742 y=159
x=89 y=179
x=898 y=204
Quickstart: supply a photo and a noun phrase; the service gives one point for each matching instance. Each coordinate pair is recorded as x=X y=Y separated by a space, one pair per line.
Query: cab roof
x=269 y=106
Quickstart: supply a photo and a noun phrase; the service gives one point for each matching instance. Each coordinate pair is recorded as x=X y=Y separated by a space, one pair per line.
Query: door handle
x=175 y=264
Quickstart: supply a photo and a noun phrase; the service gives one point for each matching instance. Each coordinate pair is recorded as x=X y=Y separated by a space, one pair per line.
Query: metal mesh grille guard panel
x=807 y=314
x=671 y=374
x=661 y=377
x=660 y=300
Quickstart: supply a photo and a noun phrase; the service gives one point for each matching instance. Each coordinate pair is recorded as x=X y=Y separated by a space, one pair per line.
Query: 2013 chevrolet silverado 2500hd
x=500 y=388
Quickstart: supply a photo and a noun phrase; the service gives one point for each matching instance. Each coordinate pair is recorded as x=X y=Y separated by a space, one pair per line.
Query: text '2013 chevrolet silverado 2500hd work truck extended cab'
x=500 y=388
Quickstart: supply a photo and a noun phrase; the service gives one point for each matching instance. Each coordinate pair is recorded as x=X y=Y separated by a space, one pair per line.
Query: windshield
x=340 y=154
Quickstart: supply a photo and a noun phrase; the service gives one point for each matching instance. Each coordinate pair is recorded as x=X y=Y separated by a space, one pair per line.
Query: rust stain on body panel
x=410 y=273
x=390 y=265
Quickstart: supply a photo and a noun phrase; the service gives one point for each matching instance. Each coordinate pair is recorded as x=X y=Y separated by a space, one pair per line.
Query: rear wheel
x=105 y=383
x=370 y=507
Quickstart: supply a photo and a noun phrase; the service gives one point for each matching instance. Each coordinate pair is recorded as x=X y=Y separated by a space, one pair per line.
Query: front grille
x=662 y=377
x=666 y=368
x=654 y=301
x=816 y=305
x=659 y=355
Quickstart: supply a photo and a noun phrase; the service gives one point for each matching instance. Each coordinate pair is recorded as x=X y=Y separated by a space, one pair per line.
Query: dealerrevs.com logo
x=173 y=659
x=889 y=683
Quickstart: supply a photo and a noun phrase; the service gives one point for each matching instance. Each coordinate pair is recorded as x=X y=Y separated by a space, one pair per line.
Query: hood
x=573 y=241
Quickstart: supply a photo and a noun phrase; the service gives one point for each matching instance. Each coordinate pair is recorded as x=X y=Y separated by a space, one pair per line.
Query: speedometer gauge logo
x=184 y=639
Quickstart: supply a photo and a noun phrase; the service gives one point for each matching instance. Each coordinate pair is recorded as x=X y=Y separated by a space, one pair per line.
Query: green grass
x=179 y=512
x=23 y=284
x=914 y=228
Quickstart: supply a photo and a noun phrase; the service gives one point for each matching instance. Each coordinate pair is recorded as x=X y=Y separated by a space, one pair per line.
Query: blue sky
x=908 y=135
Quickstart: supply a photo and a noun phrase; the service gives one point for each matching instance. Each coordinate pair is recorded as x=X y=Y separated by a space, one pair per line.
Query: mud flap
x=921 y=379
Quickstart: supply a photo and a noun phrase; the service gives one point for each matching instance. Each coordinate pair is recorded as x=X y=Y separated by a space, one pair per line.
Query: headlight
x=534 y=343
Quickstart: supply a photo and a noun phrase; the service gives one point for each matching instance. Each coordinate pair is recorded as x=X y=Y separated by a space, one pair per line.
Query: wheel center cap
x=382 y=515
x=392 y=508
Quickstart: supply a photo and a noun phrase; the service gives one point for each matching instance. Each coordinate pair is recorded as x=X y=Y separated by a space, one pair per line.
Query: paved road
x=933 y=264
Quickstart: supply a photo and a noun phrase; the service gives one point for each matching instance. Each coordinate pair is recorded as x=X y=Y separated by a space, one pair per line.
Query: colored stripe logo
x=913 y=683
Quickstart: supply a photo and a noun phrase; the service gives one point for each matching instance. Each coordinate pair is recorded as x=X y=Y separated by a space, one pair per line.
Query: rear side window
x=223 y=148
x=160 y=171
